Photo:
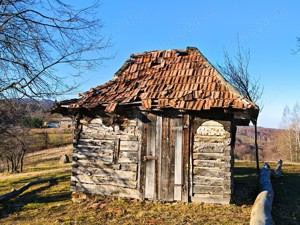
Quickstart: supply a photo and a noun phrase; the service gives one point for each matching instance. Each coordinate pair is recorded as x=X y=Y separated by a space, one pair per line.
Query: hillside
x=245 y=147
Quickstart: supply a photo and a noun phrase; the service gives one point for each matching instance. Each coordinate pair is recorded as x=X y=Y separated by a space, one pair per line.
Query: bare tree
x=13 y=147
x=290 y=141
x=14 y=138
x=43 y=44
x=236 y=71
x=286 y=133
x=39 y=37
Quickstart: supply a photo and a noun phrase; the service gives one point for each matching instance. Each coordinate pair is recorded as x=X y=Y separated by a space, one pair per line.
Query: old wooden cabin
x=163 y=129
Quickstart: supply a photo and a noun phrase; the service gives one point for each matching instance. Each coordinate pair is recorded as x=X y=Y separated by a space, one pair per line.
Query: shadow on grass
x=34 y=196
x=286 y=204
x=245 y=186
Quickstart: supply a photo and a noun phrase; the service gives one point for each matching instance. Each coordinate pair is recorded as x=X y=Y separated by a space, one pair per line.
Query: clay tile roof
x=181 y=79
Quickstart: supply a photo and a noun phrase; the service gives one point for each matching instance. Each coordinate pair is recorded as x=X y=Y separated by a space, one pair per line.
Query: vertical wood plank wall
x=164 y=174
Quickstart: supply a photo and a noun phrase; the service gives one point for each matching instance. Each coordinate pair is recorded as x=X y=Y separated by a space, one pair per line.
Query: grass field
x=50 y=203
x=50 y=138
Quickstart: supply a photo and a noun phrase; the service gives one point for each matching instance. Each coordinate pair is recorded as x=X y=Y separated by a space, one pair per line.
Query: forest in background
x=274 y=144
x=270 y=142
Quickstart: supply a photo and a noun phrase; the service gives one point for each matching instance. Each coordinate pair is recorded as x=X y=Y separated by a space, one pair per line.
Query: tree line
x=289 y=140
x=283 y=143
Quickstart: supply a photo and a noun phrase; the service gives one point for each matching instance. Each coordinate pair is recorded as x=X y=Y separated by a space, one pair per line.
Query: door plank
x=165 y=160
x=150 y=192
x=178 y=159
x=158 y=166
x=142 y=167
x=186 y=157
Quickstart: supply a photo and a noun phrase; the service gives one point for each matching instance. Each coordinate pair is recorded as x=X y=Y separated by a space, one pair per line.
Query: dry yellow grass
x=51 y=203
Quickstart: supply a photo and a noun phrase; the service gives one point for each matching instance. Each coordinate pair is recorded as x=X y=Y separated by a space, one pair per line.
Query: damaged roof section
x=179 y=79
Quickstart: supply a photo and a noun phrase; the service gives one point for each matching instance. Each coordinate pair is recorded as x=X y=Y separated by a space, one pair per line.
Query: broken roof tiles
x=181 y=79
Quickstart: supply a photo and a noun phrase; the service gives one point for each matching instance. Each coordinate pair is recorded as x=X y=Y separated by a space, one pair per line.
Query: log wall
x=105 y=157
x=109 y=158
x=212 y=162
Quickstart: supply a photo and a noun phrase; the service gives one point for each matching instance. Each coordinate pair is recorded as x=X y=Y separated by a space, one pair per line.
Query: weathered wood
x=15 y=193
x=86 y=137
x=210 y=172
x=106 y=190
x=93 y=149
x=211 y=164
x=211 y=139
x=203 y=147
x=130 y=175
x=171 y=156
x=104 y=158
x=262 y=207
x=92 y=164
x=102 y=165
x=129 y=167
x=150 y=187
x=178 y=160
x=210 y=181
x=116 y=150
x=104 y=180
x=97 y=142
x=129 y=145
x=212 y=156
x=89 y=154
x=109 y=146
x=142 y=170
x=204 y=189
x=128 y=157
x=210 y=199
x=150 y=157
x=187 y=141
x=158 y=168
x=166 y=161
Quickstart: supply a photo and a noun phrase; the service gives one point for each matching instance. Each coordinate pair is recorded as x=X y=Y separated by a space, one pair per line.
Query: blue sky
x=267 y=28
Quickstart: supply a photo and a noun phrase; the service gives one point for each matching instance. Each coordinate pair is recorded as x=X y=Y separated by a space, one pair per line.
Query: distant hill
x=45 y=104
x=245 y=146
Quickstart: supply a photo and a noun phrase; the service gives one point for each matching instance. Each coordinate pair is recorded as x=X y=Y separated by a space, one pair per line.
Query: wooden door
x=164 y=159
